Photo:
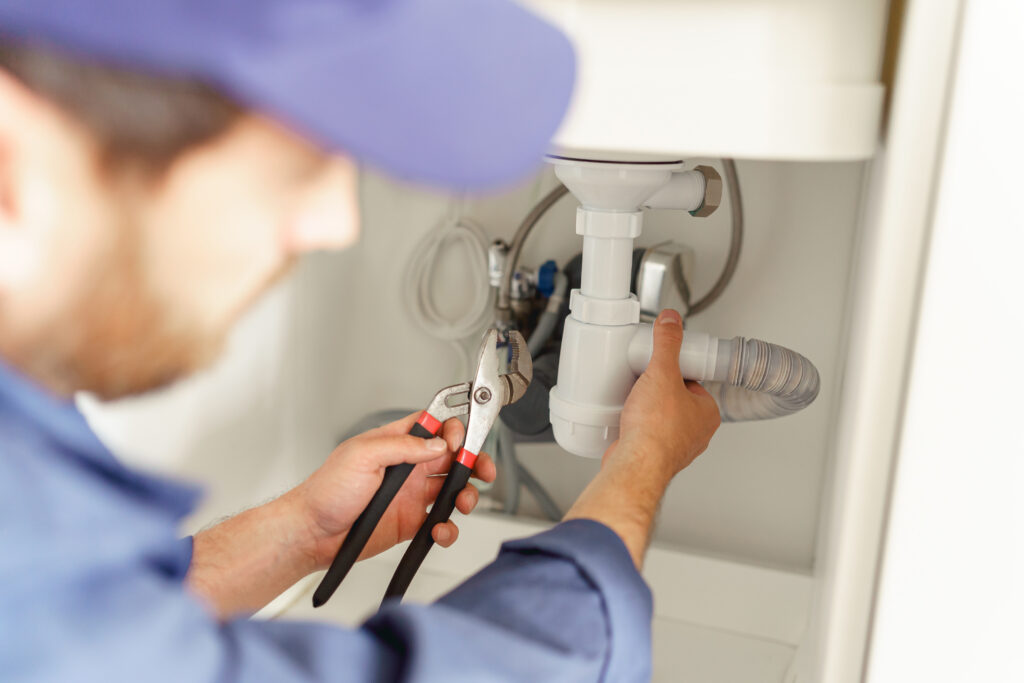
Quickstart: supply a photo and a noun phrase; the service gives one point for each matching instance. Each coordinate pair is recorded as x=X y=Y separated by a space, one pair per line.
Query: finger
x=485 y=469
x=697 y=388
x=668 y=337
x=454 y=433
x=392 y=450
x=706 y=403
x=445 y=533
x=439 y=466
x=467 y=499
x=431 y=489
x=700 y=394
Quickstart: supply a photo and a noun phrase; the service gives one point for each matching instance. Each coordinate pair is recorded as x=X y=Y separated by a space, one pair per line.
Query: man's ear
x=8 y=206
x=18 y=252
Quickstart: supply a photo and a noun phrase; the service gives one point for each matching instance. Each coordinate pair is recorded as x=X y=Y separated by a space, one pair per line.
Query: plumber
x=161 y=163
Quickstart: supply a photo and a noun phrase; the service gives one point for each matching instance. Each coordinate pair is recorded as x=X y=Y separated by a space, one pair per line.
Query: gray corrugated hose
x=756 y=380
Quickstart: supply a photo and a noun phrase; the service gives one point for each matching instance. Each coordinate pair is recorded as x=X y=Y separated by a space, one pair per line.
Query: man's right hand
x=665 y=424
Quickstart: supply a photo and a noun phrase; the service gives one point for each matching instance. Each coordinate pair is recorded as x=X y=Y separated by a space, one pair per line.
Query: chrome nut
x=712 y=192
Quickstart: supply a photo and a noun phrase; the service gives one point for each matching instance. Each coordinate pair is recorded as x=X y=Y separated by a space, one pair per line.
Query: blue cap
x=462 y=94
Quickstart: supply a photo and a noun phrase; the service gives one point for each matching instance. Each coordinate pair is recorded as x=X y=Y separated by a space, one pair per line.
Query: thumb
x=398 y=448
x=668 y=337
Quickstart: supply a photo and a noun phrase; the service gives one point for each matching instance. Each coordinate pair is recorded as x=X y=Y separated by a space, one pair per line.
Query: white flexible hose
x=419 y=279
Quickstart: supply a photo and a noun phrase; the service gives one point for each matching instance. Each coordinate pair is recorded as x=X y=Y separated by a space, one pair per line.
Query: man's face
x=120 y=281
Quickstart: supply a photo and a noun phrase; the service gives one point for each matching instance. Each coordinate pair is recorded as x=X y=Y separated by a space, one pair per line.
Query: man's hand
x=665 y=424
x=241 y=564
x=335 y=495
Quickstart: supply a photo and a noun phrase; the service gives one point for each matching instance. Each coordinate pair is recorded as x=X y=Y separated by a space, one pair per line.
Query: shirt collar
x=64 y=425
x=54 y=415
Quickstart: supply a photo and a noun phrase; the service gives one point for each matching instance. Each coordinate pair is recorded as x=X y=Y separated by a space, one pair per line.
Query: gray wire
x=510 y=469
x=516 y=248
x=732 y=181
x=547 y=505
x=549 y=318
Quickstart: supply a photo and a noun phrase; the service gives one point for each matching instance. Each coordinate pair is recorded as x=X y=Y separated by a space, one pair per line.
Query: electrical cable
x=510 y=468
x=550 y=317
x=732 y=181
x=418 y=280
x=506 y=444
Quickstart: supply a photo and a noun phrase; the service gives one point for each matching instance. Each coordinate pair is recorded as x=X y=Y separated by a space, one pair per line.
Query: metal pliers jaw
x=482 y=399
x=477 y=398
x=492 y=391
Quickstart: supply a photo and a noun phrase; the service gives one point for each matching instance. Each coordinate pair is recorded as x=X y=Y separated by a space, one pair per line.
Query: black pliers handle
x=448 y=403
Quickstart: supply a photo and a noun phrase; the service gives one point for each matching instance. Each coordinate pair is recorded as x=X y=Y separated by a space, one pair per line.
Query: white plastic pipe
x=684 y=190
x=607 y=267
x=593 y=382
x=698 y=355
x=607 y=251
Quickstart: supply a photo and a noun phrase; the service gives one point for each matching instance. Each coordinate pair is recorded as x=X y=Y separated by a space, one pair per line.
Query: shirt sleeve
x=574 y=589
x=564 y=605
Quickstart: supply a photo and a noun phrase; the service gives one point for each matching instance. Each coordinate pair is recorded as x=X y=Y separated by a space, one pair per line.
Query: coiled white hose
x=420 y=276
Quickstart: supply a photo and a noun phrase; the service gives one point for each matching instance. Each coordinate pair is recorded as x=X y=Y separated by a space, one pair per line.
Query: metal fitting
x=497 y=257
x=712 y=192
x=524 y=288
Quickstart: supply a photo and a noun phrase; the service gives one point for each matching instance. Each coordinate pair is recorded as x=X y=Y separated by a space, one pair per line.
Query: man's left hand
x=243 y=563
x=335 y=495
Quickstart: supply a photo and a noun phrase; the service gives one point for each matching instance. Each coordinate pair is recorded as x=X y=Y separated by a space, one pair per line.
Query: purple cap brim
x=462 y=94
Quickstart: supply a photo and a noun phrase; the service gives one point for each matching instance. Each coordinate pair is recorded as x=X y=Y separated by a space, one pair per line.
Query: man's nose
x=328 y=216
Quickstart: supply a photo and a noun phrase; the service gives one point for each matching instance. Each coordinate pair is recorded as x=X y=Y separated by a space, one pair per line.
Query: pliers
x=482 y=399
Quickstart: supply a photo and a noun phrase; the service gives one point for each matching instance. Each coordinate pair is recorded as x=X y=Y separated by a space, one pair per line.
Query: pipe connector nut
x=712 y=192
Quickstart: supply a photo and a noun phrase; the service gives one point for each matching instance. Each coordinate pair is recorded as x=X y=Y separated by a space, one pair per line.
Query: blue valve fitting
x=546 y=278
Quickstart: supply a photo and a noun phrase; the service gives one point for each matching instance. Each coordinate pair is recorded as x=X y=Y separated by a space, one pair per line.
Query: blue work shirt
x=92 y=588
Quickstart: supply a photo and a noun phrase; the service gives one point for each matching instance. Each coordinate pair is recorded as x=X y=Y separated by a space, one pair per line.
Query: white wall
x=951 y=597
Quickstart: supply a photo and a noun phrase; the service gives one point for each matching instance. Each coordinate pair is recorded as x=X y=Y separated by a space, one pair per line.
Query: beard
x=116 y=337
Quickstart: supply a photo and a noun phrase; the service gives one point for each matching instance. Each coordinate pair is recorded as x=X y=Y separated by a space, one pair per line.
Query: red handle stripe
x=466 y=458
x=429 y=422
